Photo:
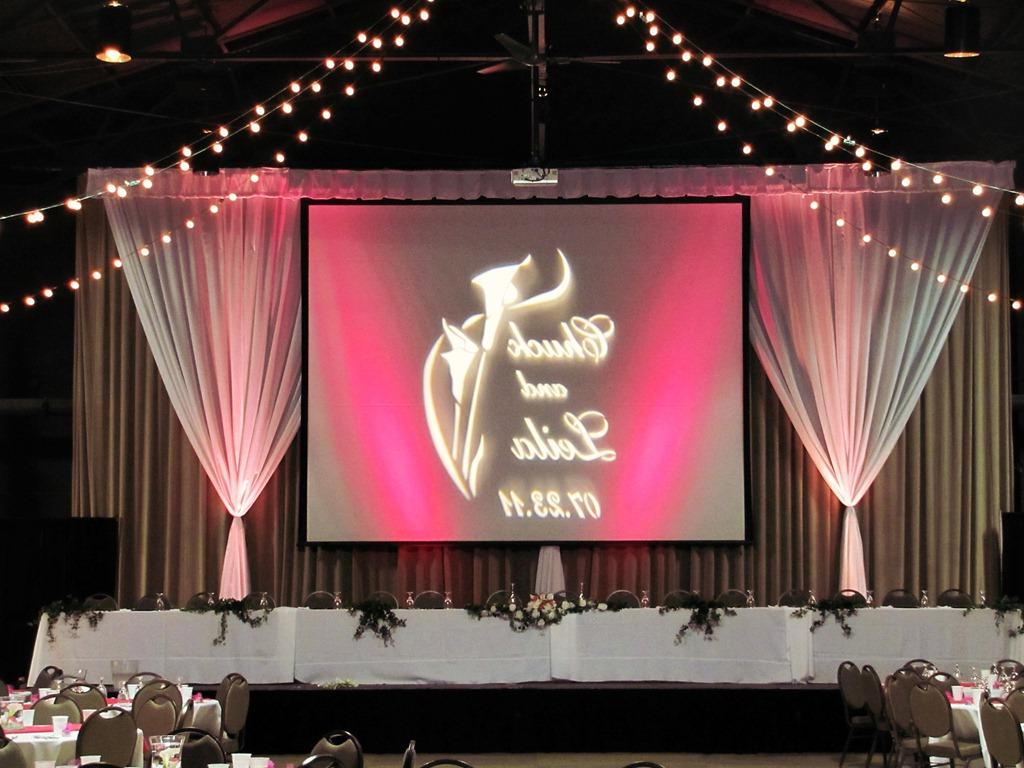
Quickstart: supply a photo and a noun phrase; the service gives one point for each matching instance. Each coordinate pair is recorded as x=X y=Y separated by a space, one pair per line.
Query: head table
x=757 y=645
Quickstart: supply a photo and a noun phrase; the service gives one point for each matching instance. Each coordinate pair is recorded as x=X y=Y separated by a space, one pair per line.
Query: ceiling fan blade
x=524 y=54
x=502 y=66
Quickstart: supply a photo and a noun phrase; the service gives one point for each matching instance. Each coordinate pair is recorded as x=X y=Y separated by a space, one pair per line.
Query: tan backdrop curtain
x=930 y=520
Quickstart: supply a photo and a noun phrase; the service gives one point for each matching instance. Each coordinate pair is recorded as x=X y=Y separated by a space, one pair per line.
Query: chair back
x=86 y=695
x=874 y=696
x=429 y=598
x=111 y=734
x=321 y=600
x=897 y=690
x=201 y=600
x=499 y=597
x=1010 y=667
x=11 y=755
x=851 y=597
x=679 y=598
x=795 y=598
x=733 y=598
x=100 y=602
x=200 y=748
x=921 y=667
x=257 y=601
x=236 y=707
x=143 y=678
x=851 y=687
x=320 y=761
x=448 y=762
x=56 y=704
x=622 y=598
x=955 y=598
x=1015 y=703
x=646 y=763
x=944 y=681
x=380 y=596
x=900 y=598
x=47 y=675
x=154 y=601
x=930 y=711
x=1002 y=733
x=343 y=747
x=156 y=688
x=155 y=715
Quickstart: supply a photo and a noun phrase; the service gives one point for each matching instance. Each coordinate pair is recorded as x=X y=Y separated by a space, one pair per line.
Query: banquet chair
x=321 y=600
x=111 y=734
x=155 y=688
x=679 y=598
x=622 y=598
x=234 y=711
x=320 y=761
x=795 y=598
x=449 y=761
x=201 y=600
x=1001 y=729
x=155 y=715
x=11 y=756
x=429 y=598
x=256 y=601
x=933 y=721
x=47 y=675
x=900 y=598
x=1015 y=703
x=142 y=679
x=874 y=703
x=154 y=601
x=897 y=697
x=851 y=597
x=955 y=598
x=380 y=596
x=1010 y=667
x=644 y=764
x=858 y=721
x=921 y=667
x=733 y=598
x=56 y=704
x=498 y=597
x=100 y=602
x=200 y=748
x=86 y=695
x=343 y=747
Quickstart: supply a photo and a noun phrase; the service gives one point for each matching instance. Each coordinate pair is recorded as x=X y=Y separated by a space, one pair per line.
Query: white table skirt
x=757 y=645
x=435 y=646
x=886 y=638
x=173 y=644
x=765 y=645
x=43 y=746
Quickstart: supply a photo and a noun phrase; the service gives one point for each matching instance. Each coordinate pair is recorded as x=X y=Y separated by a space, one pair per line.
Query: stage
x=637 y=718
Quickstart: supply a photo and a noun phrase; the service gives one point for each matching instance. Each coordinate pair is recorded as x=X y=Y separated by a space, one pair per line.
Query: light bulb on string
x=769 y=102
x=147 y=183
x=73 y=204
x=111 y=188
x=96 y=275
x=905 y=181
x=424 y=14
x=214 y=208
x=190 y=224
x=937 y=178
x=866 y=238
x=686 y=56
x=406 y=19
x=755 y=104
x=769 y=170
x=395 y=13
x=892 y=253
x=254 y=178
x=29 y=301
x=800 y=121
x=143 y=251
x=186 y=151
x=183 y=166
x=315 y=86
x=165 y=238
x=736 y=82
x=349 y=65
x=649 y=16
x=707 y=61
x=670 y=75
x=254 y=127
x=896 y=164
x=217 y=147
x=1019 y=200
x=1015 y=304
x=377 y=43
x=260 y=110
x=286 y=107
x=330 y=63
x=791 y=126
x=940 y=278
x=399 y=41
x=73 y=284
x=5 y=307
x=992 y=297
x=653 y=30
x=149 y=170
x=965 y=288
x=747 y=149
x=946 y=198
x=977 y=190
x=986 y=211
x=722 y=126
x=630 y=12
x=915 y=266
x=375 y=66
x=720 y=81
x=698 y=100
x=232 y=197
x=620 y=19
x=48 y=292
x=279 y=157
x=860 y=152
x=840 y=222
x=650 y=46
x=814 y=205
x=295 y=87
x=866 y=166
x=325 y=114
x=677 y=39
x=350 y=90
x=303 y=137
x=115 y=263
x=361 y=37
x=123 y=193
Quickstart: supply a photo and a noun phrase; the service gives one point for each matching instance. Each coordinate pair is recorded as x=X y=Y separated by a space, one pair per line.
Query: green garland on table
x=377 y=617
x=538 y=612
x=705 y=616
x=253 y=617
x=70 y=610
x=1004 y=606
x=840 y=610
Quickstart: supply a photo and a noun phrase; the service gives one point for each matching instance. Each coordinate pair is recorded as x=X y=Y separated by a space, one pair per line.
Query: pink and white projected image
x=525 y=372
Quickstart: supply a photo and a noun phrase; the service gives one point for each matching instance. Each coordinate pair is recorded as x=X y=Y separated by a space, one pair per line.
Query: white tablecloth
x=173 y=644
x=435 y=646
x=757 y=645
x=44 y=746
x=885 y=638
x=765 y=645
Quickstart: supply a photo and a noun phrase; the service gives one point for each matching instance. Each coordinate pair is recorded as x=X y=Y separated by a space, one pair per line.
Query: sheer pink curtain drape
x=220 y=309
x=849 y=335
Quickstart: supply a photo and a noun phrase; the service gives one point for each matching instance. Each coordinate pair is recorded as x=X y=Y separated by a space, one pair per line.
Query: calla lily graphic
x=462 y=452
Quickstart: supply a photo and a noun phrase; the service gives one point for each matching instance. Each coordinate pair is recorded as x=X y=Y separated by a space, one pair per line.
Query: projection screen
x=565 y=371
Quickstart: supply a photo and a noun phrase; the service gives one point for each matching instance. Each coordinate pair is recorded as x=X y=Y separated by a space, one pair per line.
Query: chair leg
x=846 y=747
x=871 y=749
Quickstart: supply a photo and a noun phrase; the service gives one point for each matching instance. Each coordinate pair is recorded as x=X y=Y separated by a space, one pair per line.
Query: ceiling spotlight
x=114 y=33
x=963 y=30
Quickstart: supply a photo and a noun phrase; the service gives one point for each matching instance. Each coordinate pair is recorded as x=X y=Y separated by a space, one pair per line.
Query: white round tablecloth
x=46 y=746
